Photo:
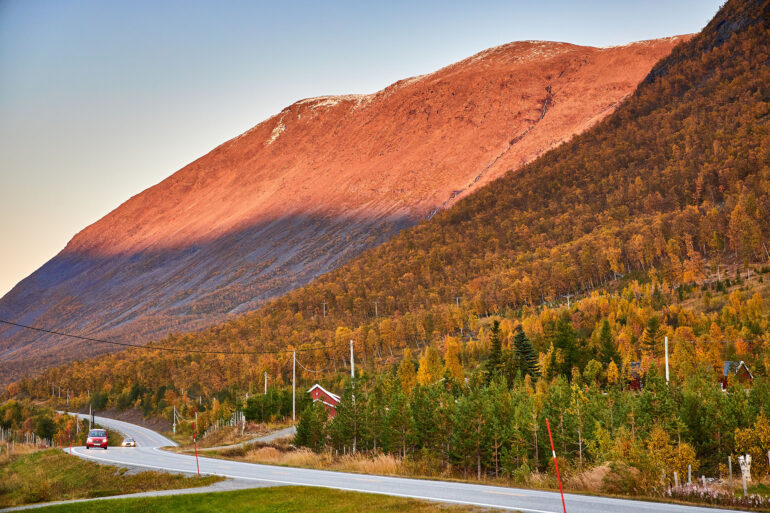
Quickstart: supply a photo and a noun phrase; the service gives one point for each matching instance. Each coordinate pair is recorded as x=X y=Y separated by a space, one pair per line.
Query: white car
x=128 y=442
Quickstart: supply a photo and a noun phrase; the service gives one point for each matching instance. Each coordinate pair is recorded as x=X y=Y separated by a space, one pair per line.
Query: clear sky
x=100 y=100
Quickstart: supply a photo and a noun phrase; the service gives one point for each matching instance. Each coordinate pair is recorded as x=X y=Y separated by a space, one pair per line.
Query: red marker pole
x=556 y=465
x=196 y=451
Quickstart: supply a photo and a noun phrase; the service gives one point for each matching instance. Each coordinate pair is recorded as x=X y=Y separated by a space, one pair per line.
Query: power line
x=313 y=371
x=165 y=348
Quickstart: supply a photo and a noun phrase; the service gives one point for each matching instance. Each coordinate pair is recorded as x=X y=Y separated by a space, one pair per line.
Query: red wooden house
x=634 y=382
x=740 y=372
x=329 y=400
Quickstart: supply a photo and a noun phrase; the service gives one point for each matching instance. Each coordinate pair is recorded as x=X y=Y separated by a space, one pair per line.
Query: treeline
x=492 y=427
x=19 y=419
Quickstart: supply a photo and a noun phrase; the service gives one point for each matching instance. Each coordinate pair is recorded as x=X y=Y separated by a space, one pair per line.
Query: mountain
x=675 y=181
x=309 y=189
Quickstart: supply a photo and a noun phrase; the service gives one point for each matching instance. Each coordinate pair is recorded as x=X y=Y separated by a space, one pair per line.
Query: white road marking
x=297 y=483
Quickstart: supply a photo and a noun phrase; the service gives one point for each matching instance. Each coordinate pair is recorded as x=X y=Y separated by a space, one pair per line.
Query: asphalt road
x=272 y=437
x=148 y=453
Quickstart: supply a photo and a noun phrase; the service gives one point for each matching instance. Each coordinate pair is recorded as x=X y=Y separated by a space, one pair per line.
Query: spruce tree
x=524 y=354
x=310 y=430
x=346 y=428
x=565 y=343
x=495 y=360
x=607 y=351
x=652 y=335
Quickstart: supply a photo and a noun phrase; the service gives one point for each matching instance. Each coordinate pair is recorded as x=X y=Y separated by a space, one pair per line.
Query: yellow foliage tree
x=406 y=374
x=431 y=367
x=755 y=440
x=453 y=361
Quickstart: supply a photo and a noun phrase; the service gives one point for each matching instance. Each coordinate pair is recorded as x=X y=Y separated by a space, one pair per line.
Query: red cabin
x=740 y=371
x=329 y=400
x=634 y=382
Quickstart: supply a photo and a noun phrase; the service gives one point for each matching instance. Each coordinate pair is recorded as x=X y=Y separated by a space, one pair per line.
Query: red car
x=97 y=438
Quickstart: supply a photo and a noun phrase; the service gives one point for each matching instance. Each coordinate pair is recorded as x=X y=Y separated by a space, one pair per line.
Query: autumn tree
x=431 y=367
x=452 y=360
x=406 y=373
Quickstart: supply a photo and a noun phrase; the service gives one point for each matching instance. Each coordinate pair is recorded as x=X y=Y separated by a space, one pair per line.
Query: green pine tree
x=607 y=350
x=525 y=356
x=652 y=335
x=495 y=361
x=565 y=353
x=347 y=425
x=310 y=430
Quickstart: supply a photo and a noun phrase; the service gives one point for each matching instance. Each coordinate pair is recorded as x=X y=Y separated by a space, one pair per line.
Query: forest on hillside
x=657 y=220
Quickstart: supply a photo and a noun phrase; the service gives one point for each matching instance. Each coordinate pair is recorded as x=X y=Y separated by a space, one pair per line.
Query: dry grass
x=382 y=464
x=590 y=480
x=18 y=450
x=48 y=475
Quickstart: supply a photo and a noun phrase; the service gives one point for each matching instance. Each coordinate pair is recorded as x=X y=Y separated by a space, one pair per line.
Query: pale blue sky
x=100 y=100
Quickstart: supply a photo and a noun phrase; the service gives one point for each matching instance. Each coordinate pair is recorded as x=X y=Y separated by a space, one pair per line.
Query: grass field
x=282 y=499
x=52 y=475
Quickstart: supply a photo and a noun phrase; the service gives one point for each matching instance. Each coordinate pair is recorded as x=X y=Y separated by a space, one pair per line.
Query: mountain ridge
x=308 y=189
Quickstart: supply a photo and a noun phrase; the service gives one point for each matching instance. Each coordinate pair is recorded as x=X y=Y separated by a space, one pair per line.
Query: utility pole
x=457 y=301
x=376 y=312
x=568 y=296
x=665 y=345
x=90 y=415
x=352 y=361
x=294 y=388
x=265 y=382
x=324 y=309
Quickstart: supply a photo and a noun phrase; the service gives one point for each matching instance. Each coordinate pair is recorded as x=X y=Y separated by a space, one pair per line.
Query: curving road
x=148 y=453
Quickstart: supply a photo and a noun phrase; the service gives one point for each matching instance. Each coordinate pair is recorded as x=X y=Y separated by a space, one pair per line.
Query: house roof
x=731 y=366
x=322 y=389
x=742 y=364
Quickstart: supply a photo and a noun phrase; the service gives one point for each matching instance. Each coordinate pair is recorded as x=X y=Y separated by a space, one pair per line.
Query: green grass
x=759 y=489
x=52 y=475
x=283 y=499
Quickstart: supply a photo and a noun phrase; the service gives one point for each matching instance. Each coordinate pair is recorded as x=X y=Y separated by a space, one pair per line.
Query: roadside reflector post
x=294 y=388
x=556 y=465
x=195 y=442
